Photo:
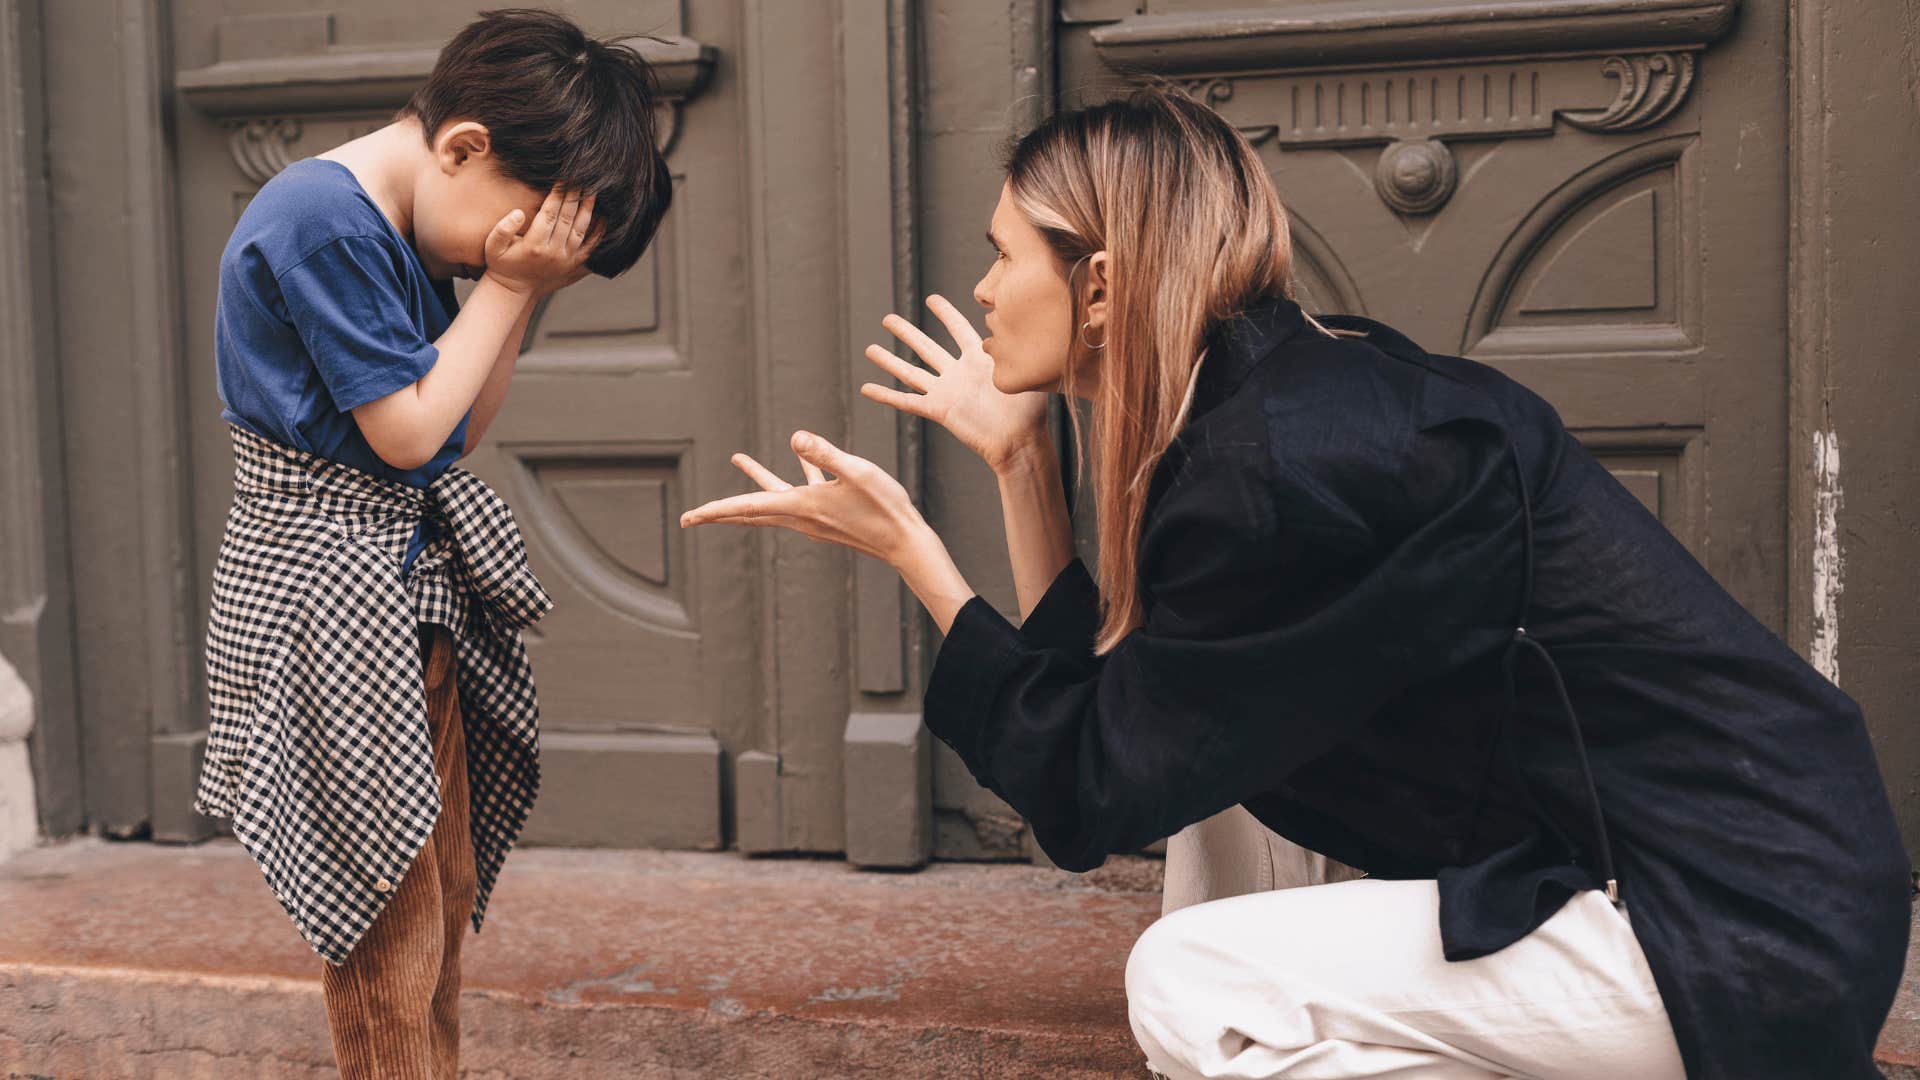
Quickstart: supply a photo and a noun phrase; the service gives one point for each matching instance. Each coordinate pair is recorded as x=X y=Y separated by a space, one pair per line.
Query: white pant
x=1291 y=976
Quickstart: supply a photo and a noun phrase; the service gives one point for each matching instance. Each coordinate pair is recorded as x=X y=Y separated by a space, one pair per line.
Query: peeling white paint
x=19 y=823
x=1828 y=563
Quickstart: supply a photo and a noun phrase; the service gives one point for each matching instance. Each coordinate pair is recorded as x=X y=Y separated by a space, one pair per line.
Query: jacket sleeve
x=1067 y=617
x=1273 y=632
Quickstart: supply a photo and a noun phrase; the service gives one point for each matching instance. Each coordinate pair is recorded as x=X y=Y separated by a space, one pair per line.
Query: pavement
x=140 y=960
x=145 y=961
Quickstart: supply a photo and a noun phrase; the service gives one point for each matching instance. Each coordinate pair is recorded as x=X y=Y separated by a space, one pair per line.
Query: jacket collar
x=1242 y=342
x=1445 y=395
x=1237 y=344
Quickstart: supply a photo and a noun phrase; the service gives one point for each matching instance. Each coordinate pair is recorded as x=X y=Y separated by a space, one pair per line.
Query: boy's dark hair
x=560 y=108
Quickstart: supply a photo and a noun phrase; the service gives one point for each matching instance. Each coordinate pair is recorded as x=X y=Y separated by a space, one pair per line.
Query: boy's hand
x=551 y=253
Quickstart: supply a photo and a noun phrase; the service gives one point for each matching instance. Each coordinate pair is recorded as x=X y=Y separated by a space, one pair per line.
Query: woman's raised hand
x=958 y=392
x=861 y=507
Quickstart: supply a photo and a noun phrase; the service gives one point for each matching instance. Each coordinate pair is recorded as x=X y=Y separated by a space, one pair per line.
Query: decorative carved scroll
x=1652 y=86
x=262 y=147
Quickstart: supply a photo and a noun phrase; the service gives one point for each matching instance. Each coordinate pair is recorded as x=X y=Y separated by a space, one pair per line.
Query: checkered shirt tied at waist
x=318 y=746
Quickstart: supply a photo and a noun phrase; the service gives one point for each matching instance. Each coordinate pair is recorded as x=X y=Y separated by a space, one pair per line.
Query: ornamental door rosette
x=1416 y=75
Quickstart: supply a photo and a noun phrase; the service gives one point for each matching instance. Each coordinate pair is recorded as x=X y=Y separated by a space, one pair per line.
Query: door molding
x=36 y=617
x=1340 y=33
x=1330 y=73
x=258 y=89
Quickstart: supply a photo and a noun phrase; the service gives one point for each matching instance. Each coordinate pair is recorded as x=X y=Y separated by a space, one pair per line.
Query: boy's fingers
x=583 y=223
x=563 y=225
x=549 y=211
x=503 y=234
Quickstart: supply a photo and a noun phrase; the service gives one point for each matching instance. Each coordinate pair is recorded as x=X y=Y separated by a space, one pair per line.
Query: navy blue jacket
x=1406 y=619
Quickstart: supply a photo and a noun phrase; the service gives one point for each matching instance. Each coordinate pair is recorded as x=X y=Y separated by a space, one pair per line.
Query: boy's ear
x=459 y=143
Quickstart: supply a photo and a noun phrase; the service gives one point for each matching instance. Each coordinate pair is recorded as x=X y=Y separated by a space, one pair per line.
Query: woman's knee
x=1195 y=1004
x=1153 y=966
x=1153 y=977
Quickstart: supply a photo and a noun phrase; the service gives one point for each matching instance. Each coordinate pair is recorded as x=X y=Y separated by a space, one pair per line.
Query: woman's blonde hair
x=1194 y=233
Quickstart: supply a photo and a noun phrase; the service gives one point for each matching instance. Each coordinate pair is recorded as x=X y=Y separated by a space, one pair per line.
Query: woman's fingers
x=928 y=349
x=964 y=335
x=813 y=448
x=912 y=374
x=759 y=473
x=911 y=404
x=814 y=475
x=752 y=504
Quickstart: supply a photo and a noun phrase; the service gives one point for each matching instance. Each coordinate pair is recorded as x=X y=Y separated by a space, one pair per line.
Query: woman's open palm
x=860 y=507
x=958 y=392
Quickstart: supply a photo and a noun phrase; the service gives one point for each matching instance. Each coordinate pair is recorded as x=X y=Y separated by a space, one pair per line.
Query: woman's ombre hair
x=1194 y=233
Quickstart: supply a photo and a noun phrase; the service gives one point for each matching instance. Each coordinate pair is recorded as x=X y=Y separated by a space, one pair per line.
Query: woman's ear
x=1097 y=289
x=460 y=143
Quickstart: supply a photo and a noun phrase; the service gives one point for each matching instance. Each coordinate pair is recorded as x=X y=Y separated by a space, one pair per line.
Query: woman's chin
x=1007 y=385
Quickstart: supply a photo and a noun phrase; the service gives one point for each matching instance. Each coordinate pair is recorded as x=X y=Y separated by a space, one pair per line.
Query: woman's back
x=1755 y=843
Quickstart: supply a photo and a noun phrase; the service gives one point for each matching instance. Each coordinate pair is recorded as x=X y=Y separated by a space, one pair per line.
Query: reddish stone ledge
x=137 y=960
x=133 y=960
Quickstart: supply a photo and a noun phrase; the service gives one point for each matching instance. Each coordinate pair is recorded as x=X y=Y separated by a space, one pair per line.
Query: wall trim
x=1349 y=33
x=350 y=79
x=1809 y=360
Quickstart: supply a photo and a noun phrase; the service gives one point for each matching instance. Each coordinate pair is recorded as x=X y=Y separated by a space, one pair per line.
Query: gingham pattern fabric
x=317 y=746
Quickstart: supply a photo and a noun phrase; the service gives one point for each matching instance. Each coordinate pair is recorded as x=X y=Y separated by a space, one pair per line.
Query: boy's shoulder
x=307 y=205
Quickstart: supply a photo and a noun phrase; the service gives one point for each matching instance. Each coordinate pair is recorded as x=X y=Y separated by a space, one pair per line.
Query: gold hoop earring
x=1083 y=336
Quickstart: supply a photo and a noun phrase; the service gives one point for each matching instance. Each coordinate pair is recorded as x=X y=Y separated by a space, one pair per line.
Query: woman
x=1361 y=590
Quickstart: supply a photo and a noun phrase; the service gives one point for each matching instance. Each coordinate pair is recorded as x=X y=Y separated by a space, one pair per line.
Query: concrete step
x=141 y=961
x=136 y=960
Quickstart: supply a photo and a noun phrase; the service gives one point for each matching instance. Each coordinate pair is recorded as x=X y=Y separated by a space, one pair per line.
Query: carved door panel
x=649 y=664
x=1591 y=200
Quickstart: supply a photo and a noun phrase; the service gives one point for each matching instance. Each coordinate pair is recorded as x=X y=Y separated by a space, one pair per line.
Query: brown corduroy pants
x=394 y=1005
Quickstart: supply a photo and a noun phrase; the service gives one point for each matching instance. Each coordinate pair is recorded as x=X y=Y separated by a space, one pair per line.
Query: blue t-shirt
x=323 y=307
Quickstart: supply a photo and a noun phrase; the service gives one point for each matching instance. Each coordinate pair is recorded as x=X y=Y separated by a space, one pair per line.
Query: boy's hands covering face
x=547 y=254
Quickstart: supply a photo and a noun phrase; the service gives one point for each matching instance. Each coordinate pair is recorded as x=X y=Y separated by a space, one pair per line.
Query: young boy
x=364 y=659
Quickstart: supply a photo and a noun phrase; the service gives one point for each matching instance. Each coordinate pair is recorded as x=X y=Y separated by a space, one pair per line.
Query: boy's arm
x=493 y=393
x=409 y=426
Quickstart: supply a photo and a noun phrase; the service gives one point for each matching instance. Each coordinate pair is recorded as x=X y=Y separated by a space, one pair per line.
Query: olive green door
x=658 y=668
